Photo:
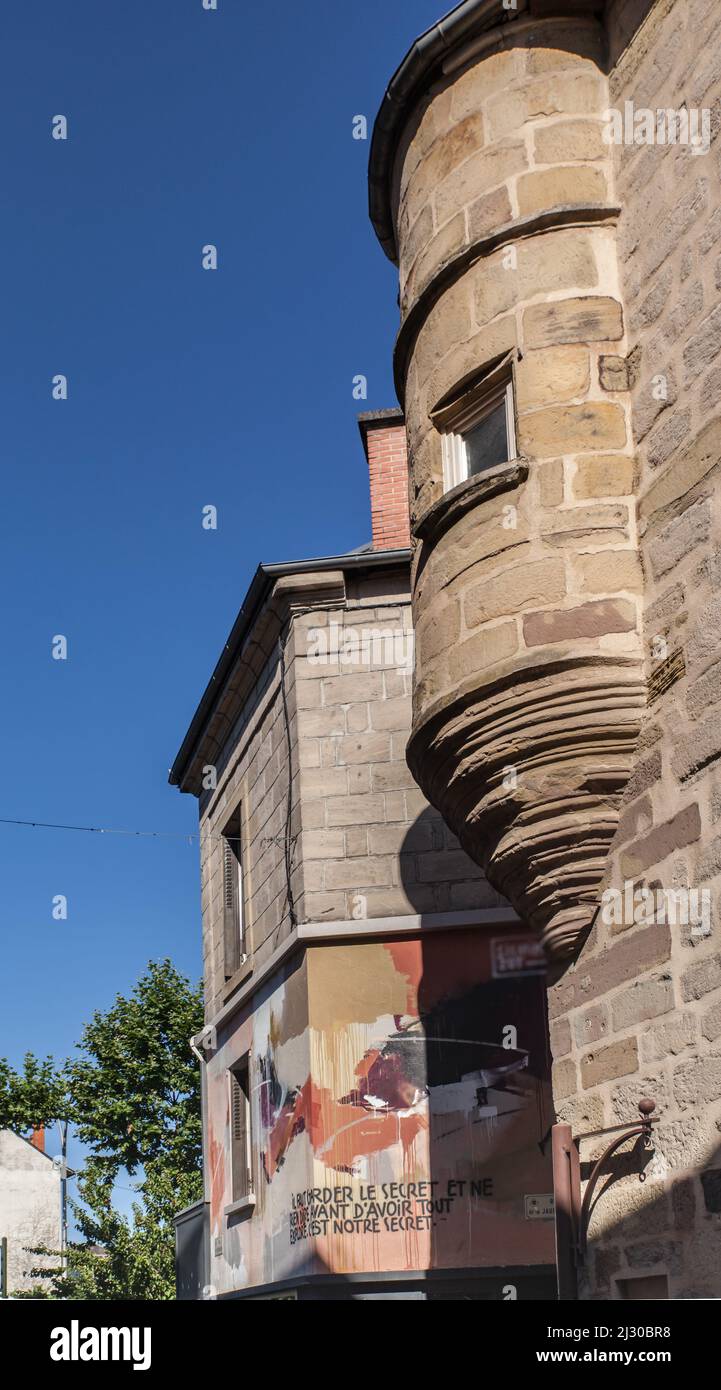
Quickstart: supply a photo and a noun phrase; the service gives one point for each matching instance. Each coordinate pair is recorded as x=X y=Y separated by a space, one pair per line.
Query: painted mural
x=401 y=1111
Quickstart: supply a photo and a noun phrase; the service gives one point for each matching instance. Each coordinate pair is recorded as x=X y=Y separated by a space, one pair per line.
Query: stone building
x=546 y=175
x=376 y=1073
x=30 y=1209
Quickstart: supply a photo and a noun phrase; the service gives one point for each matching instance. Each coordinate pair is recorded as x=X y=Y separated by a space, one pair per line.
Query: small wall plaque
x=539 y=1206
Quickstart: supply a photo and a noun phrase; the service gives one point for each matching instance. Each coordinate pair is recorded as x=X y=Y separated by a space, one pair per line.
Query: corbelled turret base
x=529 y=775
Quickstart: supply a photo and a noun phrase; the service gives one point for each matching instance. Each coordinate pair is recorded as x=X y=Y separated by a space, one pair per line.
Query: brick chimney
x=384 y=439
x=37 y=1138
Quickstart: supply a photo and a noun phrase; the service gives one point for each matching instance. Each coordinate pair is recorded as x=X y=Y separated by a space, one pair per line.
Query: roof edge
x=260 y=588
x=23 y=1138
x=402 y=90
x=429 y=52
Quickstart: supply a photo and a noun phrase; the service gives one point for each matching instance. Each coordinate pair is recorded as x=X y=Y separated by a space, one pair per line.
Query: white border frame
x=455 y=454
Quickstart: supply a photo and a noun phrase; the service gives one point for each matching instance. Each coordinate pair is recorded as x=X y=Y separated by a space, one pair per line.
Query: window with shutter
x=478 y=425
x=240 y=1137
x=233 y=936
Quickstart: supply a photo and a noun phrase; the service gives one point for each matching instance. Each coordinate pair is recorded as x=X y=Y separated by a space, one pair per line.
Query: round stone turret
x=492 y=183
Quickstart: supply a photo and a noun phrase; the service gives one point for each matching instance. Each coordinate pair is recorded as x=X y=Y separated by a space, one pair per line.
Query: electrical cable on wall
x=288 y=839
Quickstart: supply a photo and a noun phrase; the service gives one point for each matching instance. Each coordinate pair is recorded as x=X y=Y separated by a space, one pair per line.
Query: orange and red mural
x=400 y=1113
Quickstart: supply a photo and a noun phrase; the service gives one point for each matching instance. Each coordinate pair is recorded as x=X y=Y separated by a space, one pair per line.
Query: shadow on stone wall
x=652 y=1236
x=480 y=1052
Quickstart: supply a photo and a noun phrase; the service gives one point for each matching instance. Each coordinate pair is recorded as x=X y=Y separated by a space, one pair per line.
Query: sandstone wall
x=362 y=839
x=640 y=1012
x=254 y=770
x=371 y=846
x=613 y=560
x=527 y=585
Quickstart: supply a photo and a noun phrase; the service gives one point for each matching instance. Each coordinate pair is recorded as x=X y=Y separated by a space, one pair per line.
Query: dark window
x=240 y=1131
x=233 y=904
x=487 y=442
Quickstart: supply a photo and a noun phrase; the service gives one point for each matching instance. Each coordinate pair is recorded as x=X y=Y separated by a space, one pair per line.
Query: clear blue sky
x=186 y=387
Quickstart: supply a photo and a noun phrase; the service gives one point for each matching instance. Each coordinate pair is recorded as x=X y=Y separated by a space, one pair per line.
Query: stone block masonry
x=527 y=597
x=363 y=842
x=567 y=700
x=663 y=1002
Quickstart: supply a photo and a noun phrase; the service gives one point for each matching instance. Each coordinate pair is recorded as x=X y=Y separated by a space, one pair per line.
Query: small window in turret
x=478 y=427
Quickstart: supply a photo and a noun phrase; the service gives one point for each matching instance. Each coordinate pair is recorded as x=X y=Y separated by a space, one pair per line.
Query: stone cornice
x=461 y=499
x=561 y=662
x=275 y=593
x=363 y=929
x=551 y=219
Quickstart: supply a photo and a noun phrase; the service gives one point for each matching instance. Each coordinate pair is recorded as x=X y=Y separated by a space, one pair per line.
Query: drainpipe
x=203 y=1104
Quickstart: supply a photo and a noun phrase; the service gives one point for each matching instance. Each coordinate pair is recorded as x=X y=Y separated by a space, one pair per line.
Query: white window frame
x=458 y=417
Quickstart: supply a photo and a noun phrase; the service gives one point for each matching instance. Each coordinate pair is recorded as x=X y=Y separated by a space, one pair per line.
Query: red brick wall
x=388 y=467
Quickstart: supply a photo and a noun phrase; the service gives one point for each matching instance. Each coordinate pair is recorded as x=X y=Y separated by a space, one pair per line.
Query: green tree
x=121 y=1258
x=36 y=1096
x=135 y=1091
x=133 y=1098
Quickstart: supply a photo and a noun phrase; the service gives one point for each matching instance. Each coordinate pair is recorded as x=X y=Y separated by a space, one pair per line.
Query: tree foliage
x=133 y=1099
x=121 y=1258
x=35 y=1096
x=134 y=1092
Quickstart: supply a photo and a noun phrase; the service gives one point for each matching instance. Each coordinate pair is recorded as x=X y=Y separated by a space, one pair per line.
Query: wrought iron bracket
x=572 y=1213
x=643 y=1129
